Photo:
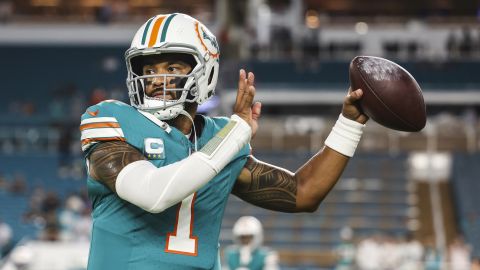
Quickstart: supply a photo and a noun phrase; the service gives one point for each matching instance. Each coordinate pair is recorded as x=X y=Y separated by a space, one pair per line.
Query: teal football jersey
x=184 y=236
x=257 y=261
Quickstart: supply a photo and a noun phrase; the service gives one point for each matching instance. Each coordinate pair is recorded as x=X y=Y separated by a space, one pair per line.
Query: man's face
x=164 y=64
x=246 y=239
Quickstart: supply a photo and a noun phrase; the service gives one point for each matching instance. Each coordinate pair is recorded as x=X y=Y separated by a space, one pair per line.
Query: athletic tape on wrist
x=219 y=151
x=345 y=136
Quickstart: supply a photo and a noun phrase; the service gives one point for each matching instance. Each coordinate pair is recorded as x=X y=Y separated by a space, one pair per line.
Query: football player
x=248 y=253
x=159 y=175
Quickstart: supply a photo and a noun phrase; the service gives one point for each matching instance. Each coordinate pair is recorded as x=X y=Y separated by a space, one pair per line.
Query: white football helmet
x=248 y=225
x=179 y=34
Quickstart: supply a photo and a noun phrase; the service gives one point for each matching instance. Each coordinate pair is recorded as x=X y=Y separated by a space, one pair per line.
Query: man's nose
x=158 y=80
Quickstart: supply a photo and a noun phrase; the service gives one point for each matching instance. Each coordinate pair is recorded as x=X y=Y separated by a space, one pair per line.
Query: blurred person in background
x=412 y=254
x=248 y=252
x=369 y=253
x=19 y=184
x=6 y=235
x=159 y=175
x=345 y=251
x=391 y=252
x=3 y=183
x=83 y=228
x=459 y=254
x=433 y=256
x=69 y=217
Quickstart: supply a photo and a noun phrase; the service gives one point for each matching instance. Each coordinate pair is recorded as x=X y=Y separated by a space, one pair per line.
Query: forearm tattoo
x=109 y=158
x=270 y=187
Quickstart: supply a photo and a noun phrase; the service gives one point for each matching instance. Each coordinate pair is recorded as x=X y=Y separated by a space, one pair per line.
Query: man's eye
x=175 y=68
x=149 y=71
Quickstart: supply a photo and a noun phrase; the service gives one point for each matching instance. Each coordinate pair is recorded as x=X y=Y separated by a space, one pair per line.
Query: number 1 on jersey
x=181 y=241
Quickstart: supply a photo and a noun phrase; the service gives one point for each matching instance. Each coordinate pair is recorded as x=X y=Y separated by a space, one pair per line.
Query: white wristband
x=345 y=136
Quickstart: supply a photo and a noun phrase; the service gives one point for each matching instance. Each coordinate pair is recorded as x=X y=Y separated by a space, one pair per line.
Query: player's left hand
x=256 y=112
x=244 y=106
x=351 y=108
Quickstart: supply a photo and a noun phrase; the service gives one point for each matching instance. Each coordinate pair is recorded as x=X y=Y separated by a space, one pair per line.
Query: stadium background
x=58 y=56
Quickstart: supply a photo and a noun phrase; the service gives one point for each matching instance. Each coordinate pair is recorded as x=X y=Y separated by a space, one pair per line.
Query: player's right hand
x=351 y=108
x=244 y=106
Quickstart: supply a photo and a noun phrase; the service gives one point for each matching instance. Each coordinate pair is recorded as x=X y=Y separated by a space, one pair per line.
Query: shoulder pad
x=99 y=123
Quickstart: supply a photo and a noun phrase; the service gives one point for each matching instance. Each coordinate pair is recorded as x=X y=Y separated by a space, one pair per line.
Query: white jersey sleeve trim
x=102 y=133
x=94 y=130
x=98 y=120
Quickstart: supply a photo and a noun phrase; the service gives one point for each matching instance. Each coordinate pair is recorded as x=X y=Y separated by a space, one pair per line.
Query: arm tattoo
x=109 y=158
x=269 y=187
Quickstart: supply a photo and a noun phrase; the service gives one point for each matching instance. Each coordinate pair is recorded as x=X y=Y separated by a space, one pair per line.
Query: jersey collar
x=155 y=120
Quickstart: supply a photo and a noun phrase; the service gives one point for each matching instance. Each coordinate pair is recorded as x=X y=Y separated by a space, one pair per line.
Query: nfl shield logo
x=154 y=148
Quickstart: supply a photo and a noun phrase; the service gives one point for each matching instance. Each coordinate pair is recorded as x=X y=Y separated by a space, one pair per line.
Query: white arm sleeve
x=156 y=189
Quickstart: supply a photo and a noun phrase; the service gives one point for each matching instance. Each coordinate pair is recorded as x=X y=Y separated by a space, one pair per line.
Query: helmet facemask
x=178 y=87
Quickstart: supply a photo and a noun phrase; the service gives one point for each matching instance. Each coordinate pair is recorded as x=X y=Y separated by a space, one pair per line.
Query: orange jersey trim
x=99 y=125
x=95 y=113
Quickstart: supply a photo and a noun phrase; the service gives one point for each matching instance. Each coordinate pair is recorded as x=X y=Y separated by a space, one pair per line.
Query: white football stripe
x=98 y=120
x=102 y=133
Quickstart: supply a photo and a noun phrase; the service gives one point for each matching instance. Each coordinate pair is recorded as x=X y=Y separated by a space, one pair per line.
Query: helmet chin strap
x=185 y=113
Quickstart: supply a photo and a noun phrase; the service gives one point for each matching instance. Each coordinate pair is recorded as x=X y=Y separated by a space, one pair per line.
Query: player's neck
x=182 y=123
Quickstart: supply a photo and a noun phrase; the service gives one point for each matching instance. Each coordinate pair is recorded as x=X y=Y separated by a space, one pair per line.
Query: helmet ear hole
x=210 y=93
x=210 y=80
x=210 y=77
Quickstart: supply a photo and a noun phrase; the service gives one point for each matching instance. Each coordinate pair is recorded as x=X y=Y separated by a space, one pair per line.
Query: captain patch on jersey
x=154 y=148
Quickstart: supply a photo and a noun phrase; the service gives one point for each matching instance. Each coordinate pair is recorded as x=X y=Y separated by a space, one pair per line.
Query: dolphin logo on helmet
x=212 y=39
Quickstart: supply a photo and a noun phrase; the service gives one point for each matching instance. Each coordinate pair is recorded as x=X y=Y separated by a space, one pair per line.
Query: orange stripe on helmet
x=155 y=30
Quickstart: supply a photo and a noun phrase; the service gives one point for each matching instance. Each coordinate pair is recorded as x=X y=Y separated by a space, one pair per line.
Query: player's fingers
x=245 y=103
x=251 y=78
x=248 y=97
x=357 y=94
x=251 y=88
x=353 y=96
x=248 y=93
x=242 y=82
x=256 y=110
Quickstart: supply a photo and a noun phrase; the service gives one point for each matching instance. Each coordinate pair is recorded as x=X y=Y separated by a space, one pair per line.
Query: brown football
x=391 y=96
